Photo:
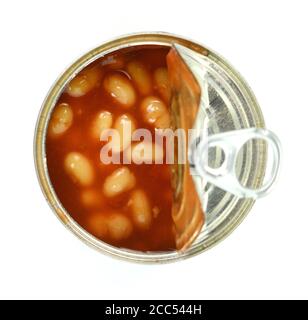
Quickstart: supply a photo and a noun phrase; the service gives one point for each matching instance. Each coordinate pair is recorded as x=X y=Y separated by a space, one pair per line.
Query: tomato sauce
x=84 y=199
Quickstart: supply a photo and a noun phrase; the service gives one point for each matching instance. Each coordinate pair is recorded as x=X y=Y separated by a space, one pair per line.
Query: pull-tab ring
x=231 y=143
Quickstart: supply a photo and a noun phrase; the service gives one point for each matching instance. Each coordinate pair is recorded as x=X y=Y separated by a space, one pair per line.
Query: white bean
x=121 y=180
x=98 y=225
x=119 y=227
x=146 y=152
x=125 y=125
x=161 y=82
x=141 y=209
x=114 y=61
x=84 y=82
x=79 y=168
x=120 y=88
x=140 y=76
x=155 y=112
x=102 y=122
x=61 y=120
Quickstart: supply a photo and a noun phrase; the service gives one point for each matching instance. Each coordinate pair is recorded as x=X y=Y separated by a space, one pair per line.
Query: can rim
x=159 y=38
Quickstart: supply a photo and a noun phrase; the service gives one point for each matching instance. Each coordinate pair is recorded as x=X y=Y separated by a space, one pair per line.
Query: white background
x=266 y=257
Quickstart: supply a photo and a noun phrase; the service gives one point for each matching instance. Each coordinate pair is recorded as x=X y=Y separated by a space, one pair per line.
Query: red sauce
x=153 y=179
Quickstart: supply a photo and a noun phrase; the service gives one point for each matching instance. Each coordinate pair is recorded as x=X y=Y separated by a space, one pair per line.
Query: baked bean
x=114 y=61
x=141 y=210
x=161 y=82
x=61 y=120
x=155 y=112
x=140 y=77
x=102 y=121
x=84 y=82
x=125 y=126
x=98 y=225
x=121 y=180
x=91 y=198
x=115 y=225
x=119 y=227
x=146 y=152
x=79 y=168
x=120 y=88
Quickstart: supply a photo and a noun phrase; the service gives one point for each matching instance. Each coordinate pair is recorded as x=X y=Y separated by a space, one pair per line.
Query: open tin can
x=224 y=210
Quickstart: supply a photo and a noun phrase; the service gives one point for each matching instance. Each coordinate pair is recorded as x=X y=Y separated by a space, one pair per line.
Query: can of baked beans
x=123 y=207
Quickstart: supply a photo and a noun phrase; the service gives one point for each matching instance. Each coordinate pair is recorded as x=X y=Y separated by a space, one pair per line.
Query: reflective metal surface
x=208 y=74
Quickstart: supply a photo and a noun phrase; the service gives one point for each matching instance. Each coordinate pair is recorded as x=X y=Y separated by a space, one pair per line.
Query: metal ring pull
x=231 y=143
